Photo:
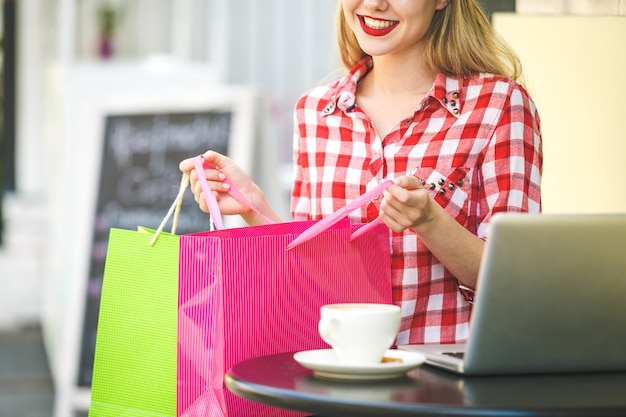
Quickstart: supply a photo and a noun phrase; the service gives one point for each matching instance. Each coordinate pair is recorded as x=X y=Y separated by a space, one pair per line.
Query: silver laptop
x=551 y=297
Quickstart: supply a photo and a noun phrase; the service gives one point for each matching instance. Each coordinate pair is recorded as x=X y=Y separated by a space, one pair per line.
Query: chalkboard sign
x=139 y=179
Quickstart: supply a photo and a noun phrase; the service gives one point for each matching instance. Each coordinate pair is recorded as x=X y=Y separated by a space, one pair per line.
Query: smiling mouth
x=377 y=27
x=378 y=24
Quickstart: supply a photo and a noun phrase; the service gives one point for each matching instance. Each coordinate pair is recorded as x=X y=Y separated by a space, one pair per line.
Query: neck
x=391 y=77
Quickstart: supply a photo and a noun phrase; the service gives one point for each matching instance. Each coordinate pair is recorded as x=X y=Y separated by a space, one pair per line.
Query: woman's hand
x=226 y=168
x=408 y=205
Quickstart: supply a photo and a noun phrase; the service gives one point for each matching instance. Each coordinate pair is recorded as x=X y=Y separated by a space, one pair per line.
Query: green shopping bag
x=135 y=357
x=134 y=371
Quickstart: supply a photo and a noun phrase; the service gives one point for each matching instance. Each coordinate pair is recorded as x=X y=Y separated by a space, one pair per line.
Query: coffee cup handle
x=328 y=327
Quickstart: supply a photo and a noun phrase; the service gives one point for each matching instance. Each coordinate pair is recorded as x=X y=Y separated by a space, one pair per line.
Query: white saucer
x=325 y=364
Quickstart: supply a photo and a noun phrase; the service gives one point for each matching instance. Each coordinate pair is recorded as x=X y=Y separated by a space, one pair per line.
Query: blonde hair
x=460 y=42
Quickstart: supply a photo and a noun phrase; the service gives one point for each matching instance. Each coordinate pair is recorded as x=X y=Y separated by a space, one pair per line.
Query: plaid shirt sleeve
x=512 y=164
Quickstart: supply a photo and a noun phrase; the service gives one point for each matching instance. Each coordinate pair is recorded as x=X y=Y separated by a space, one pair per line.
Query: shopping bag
x=178 y=311
x=249 y=292
x=134 y=371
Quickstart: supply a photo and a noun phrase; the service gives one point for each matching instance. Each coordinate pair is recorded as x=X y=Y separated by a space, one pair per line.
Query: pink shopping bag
x=244 y=294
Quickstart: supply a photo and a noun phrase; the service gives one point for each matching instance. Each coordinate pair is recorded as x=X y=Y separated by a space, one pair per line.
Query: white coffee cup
x=359 y=333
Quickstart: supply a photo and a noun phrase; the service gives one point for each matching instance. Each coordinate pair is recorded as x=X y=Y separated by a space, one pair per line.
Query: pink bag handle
x=364 y=229
x=211 y=201
x=326 y=222
x=308 y=234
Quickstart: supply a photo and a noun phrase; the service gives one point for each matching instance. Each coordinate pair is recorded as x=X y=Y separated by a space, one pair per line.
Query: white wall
x=25 y=233
x=20 y=262
x=283 y=47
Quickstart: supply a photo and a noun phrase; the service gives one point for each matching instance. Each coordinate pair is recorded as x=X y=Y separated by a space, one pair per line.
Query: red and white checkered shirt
x=475 y=142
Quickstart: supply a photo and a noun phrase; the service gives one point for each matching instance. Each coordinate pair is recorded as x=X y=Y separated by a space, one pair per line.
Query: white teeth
x=377 y=24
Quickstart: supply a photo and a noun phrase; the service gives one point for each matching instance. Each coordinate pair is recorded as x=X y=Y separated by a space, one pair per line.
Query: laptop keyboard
x=459 y=355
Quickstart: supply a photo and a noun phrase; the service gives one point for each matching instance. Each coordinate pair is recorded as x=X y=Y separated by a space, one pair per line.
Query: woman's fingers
x=404 y=203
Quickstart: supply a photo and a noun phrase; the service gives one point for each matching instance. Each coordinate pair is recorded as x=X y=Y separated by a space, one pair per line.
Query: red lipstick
x=376 y=32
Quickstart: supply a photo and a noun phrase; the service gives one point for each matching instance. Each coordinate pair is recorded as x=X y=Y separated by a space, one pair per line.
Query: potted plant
x=108 y=19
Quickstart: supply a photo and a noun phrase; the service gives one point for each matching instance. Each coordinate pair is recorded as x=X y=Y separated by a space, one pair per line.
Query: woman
x=431 y=101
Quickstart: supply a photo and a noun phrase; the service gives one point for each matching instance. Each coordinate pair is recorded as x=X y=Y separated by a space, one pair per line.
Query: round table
x=278 y=380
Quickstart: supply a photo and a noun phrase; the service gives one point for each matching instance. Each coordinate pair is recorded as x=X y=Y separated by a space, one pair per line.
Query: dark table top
x=280 y=381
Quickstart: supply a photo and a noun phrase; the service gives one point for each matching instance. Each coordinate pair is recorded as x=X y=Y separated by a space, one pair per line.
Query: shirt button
x=329 y=108
x=456 y=95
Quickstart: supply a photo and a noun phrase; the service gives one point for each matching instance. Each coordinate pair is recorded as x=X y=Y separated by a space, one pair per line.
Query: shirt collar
x=344 y=94
x=446 y=90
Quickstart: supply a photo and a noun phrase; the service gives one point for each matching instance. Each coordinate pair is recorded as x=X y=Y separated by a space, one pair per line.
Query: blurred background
x=72 y=69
